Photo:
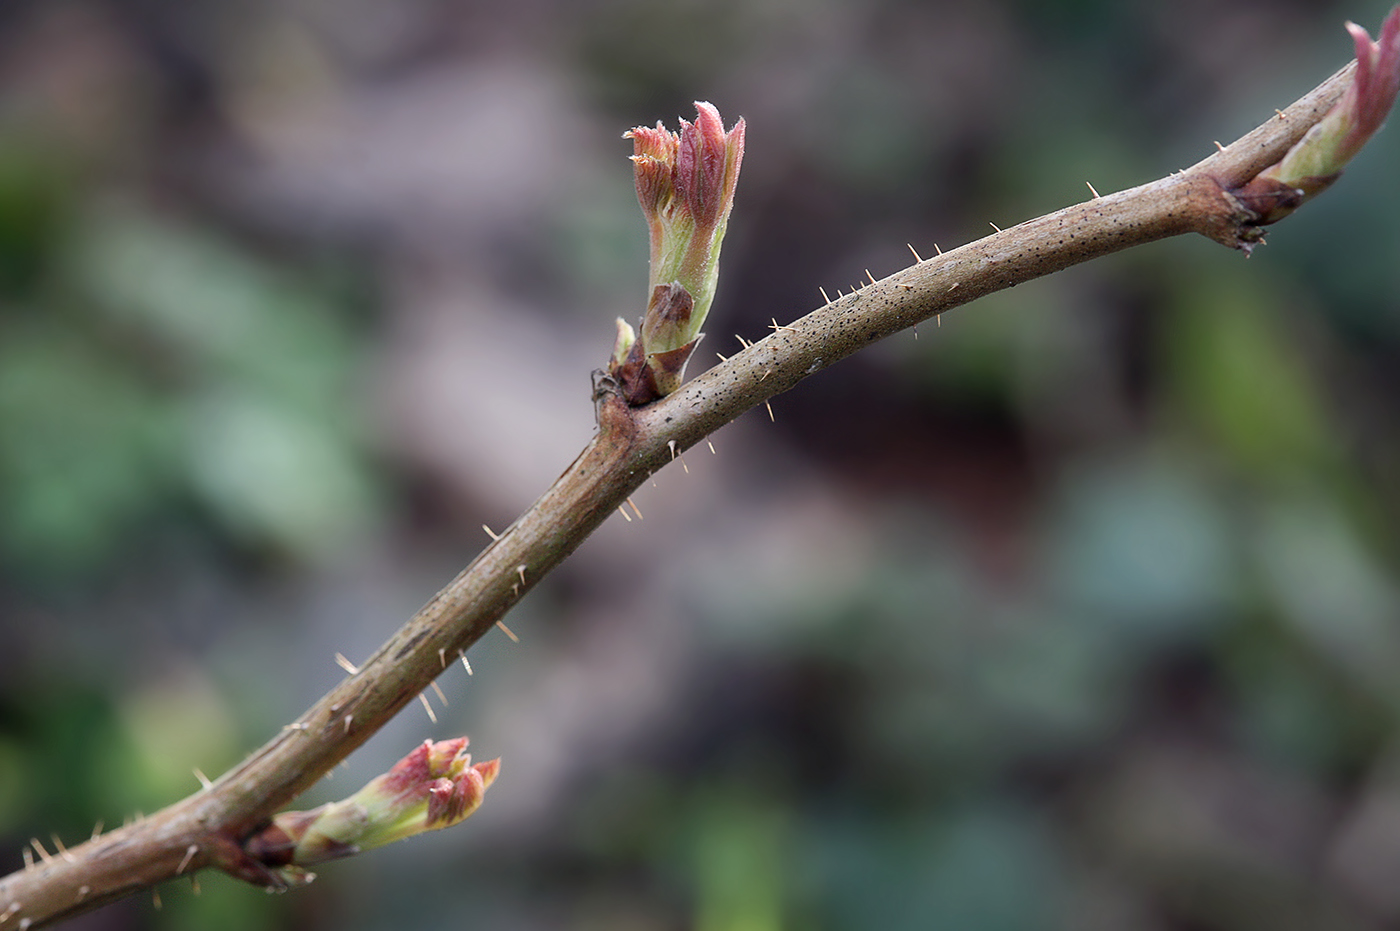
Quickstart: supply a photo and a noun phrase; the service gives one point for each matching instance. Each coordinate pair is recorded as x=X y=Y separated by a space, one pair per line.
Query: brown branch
x=207 y=829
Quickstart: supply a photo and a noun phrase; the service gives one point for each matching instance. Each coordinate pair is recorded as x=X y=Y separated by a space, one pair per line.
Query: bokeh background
x=1080 y=610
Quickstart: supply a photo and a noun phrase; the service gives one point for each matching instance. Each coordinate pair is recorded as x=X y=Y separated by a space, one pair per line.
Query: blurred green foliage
x=160 y=368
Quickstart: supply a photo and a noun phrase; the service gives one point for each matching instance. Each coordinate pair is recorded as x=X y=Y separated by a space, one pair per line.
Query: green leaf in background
x=740 y=863
x=1236 y=370
x=84 y=449
x=168 y=364
x=1143 y=546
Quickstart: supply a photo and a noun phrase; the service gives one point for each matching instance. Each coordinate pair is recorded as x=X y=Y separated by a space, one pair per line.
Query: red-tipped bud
x=434 y=787
x=685 y=186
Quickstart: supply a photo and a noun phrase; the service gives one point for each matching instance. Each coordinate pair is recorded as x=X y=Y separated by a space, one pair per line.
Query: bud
x=622 y=345
x=435 y=786
x=685 y=186
x=1318 y=158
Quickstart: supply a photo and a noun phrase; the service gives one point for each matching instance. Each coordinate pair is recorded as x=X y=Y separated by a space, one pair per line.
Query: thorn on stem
x=189 y=855
x=494 y=536
x=423 y=697
x=345 y=664
x=826 y=297
x=437 y=688
x=465 y=665
x=917 y=257
x=994 y=226
x=1092 y=190
x=203 y=779
x=507 y=631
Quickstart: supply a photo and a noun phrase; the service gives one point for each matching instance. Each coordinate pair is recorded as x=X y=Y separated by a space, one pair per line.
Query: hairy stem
x=207 y=828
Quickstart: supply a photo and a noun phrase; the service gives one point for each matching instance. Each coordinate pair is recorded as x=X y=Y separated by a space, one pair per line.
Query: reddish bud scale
x=1373 y=90
x=700 y=165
